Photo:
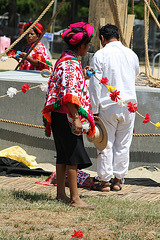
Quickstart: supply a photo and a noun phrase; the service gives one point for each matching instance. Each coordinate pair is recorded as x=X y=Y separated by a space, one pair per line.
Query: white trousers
x=114 y=159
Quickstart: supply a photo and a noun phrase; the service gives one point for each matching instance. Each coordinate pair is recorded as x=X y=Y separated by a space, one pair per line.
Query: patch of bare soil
x=51 y=225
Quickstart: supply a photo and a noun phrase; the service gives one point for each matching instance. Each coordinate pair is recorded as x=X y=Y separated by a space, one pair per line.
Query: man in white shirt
x=120 y=65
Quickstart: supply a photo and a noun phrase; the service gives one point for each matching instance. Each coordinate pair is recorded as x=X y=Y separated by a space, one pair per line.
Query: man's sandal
x=100 y=187
x=116 y=186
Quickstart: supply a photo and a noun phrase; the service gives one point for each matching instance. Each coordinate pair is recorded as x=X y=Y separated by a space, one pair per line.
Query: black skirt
x=70 y=147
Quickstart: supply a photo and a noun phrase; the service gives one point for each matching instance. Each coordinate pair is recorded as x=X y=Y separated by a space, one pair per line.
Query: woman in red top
x=68 y=111
x=39 y=54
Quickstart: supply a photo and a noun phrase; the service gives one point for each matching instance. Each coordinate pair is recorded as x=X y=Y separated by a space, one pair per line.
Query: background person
x=68 y=111
x=38 y=53
x=120 y=65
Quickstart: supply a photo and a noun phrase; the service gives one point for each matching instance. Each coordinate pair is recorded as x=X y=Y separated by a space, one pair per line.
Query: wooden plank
x=132 y=192
x=129 y=28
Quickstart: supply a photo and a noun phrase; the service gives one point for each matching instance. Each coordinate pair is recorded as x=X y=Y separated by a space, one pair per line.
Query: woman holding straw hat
x=36 y=60
x=68 y=111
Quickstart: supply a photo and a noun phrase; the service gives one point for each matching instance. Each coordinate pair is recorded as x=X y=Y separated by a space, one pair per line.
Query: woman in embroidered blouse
x=68 y=111
x=36 y=60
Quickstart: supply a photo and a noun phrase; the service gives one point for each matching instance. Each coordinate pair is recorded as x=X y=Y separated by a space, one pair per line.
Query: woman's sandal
x=100 y=187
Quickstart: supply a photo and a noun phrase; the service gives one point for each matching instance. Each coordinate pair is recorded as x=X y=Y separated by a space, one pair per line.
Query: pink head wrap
x=75 y=38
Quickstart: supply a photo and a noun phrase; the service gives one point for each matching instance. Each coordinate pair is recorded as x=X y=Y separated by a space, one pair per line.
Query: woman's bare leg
x=61 y=177
x=72 y=180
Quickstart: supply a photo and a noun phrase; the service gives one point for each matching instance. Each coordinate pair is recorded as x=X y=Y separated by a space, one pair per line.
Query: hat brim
x=103 y=143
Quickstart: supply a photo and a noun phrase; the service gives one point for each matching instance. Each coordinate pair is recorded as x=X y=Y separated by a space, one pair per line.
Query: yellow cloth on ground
x=19 y=154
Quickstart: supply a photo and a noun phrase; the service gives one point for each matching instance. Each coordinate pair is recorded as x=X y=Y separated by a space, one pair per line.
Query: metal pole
x=53 y=24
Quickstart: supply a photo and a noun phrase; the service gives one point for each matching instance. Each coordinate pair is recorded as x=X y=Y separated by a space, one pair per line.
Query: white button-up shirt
x=121 y=66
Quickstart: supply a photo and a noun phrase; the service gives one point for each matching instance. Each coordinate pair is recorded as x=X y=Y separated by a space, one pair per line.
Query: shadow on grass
x=32 y=197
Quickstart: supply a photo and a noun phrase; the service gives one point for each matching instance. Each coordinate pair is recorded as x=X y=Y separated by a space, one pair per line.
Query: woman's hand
x=77 y=123
x=78 y=126
x=29 y=58
x=22 y=54
x=85 y=71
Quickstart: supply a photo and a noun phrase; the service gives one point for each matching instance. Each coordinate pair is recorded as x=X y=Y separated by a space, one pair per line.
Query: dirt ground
x=26 y=214
x=31 y=218
x=51 y=225
x=61 y=225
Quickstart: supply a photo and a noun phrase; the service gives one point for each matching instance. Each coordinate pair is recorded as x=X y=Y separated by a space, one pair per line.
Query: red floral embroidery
x=67 y=84
x=132 y=107
x=114 y=95
x=40 y=53
x=41 y=58
x=77 y=234
x=147 y=118
x=25 y=87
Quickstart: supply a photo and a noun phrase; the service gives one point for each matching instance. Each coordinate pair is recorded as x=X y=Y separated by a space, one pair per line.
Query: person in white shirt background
x=121 y=66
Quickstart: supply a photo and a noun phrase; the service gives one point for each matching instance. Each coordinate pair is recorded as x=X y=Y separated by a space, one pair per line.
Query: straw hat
x=100 y=139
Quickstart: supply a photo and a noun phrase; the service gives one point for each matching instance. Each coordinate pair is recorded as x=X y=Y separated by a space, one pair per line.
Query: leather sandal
x=116 y=184
x=101 y=187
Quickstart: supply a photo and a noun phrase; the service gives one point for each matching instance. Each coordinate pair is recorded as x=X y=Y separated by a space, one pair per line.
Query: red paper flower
x=132 y=107
x=25 y=87
x=147 y=118
x=104 y=80
x=77 y=234
x=114 y=95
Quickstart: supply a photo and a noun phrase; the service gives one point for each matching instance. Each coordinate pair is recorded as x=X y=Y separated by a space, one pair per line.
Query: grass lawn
x=27 y=215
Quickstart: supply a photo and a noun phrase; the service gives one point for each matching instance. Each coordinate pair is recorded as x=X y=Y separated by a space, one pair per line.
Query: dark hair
x=109 y=31
x=85 y=38
x=36 y=32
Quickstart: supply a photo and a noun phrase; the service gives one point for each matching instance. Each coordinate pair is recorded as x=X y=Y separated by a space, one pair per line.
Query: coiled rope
x=151 y=80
